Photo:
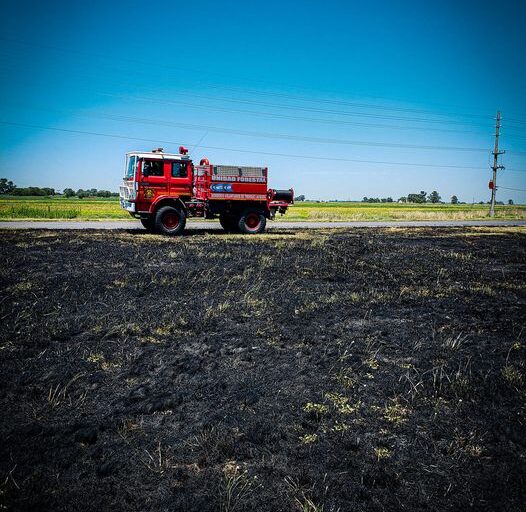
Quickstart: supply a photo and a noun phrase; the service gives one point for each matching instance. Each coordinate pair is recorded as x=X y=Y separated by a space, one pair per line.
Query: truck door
x=153 y=178
x=180 y=178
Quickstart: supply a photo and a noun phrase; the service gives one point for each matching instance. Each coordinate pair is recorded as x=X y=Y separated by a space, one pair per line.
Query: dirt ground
x=310 y=371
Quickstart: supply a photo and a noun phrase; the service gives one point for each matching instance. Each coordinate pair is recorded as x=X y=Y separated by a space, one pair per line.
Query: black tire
x=228 y=223
x=170 y=221
x=148 y=224
x=252 y=221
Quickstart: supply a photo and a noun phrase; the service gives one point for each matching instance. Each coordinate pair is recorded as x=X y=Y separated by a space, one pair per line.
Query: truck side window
x=179 y=170
x=153 y=168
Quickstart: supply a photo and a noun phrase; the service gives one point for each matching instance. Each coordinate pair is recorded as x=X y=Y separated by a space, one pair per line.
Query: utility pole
x=495 y=167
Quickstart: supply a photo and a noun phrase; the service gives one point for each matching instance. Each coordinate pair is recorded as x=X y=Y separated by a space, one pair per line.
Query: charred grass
x=308 y=371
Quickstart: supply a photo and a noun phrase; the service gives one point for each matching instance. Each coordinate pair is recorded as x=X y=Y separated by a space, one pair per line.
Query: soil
x=309 y=371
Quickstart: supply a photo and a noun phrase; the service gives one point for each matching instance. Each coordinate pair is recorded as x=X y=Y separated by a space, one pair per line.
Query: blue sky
x=252 y=82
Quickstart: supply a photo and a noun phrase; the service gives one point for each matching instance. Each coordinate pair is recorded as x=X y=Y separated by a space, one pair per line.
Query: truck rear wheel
x=252 y=221
x=170 y=221
x=228 y=223
x=148 y=224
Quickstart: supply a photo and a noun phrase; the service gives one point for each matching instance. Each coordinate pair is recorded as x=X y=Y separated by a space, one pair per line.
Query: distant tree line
x=7 y=187
x=510 y=202
x=32 y=191
x=92 y=192
x=377 y=200
x=423 y=197
x=29 y=191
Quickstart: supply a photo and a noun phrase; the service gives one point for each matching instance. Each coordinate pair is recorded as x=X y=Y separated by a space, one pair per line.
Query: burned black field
x=309 y=371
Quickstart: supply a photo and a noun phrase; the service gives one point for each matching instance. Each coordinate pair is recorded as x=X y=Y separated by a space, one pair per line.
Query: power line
x=346 y=103
x=291 y=117
x=320 y=110
x=335 y=121
x=250 y=91
x=316 y=120
x=515 y=120
x=513 y=136
x=285 y=136
x=267 y=153
x=280 y=116
x=282 y=106
x=266 y=114
x=516 y=189
x=262 y=134
x=520 y=130
x=354 y=104
x=282 y=136
x=291 y=107
x=312 y=110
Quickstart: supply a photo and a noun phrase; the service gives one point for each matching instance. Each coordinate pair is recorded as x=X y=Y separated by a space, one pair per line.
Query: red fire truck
x=163 y=190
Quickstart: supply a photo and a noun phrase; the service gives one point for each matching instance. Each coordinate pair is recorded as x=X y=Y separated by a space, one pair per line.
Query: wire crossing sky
x=339 y=99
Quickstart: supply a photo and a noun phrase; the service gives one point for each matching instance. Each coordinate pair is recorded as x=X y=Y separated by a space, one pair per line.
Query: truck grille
x=124 y=193
x=127 y=192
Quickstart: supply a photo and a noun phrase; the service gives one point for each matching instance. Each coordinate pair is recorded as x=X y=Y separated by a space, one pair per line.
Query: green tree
x=454 y=200
x=417 y=198
x=510 y=202
x=6 y=186
x=69 y=192
x=434 y=197
x=31 y=191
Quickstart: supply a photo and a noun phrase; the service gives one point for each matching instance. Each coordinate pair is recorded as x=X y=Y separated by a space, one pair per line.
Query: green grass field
x=44 y=208
x=39 y=208
x=394 y=211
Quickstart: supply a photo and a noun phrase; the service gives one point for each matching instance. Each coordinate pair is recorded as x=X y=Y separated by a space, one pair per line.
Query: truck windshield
x=131 y=164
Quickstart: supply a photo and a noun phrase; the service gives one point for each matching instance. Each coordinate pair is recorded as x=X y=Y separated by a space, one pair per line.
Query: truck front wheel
x=148 y=224
x=170 y=221
x=252 y=221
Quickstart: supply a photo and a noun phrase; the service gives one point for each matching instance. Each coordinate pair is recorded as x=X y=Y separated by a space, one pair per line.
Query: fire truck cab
x=164 y=189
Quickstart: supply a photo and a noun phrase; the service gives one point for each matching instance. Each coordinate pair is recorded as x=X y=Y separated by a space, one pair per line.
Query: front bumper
x=127 y=205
